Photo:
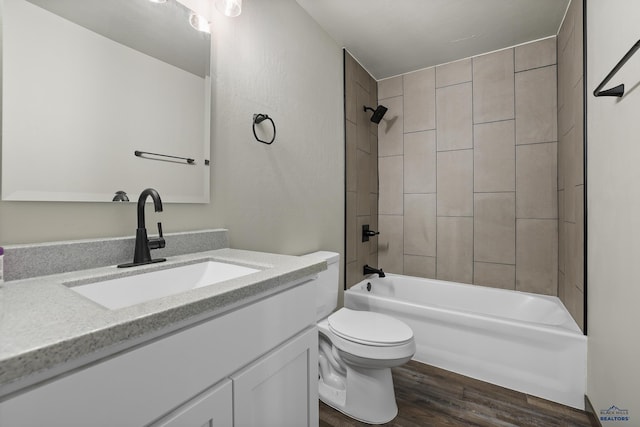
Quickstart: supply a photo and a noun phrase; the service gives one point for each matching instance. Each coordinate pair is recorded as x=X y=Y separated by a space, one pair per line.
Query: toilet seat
x=369 y=328
x=358 y=350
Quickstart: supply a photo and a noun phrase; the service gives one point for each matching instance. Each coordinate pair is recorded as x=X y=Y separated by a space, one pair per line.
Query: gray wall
x=284 y=198
x=613 y=205
x=467 y=164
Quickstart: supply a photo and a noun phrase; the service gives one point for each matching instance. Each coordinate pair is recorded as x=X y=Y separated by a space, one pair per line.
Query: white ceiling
x=391 y=37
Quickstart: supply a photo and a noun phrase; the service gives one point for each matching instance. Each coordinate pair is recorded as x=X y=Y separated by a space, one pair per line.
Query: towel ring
x=259 y=118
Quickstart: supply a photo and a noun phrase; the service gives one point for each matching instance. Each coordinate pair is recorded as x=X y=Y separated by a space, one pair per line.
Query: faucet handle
x=159 y=241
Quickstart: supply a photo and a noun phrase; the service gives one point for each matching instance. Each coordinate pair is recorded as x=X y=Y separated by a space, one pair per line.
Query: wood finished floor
x=428 y=396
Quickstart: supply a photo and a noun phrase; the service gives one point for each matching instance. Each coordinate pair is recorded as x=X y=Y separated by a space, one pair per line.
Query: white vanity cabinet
x=275 y=390
x=211 y=409
x=254 y=366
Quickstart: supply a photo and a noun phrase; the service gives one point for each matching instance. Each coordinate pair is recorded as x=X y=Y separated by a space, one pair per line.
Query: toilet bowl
x=361 y=347
x=357 y=350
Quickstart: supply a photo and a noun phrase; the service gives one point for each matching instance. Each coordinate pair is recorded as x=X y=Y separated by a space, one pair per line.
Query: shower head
x=378 y=113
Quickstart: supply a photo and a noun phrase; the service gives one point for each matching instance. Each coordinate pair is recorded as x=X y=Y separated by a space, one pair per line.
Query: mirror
x=88 y=83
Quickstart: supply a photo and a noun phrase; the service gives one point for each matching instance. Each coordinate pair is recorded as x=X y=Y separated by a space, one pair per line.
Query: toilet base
x=369 y=396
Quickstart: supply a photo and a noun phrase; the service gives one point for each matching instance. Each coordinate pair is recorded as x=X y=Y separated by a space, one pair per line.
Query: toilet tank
x=327 y=283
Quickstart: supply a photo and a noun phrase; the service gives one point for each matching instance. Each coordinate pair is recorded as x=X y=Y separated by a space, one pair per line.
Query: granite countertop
x=44 y=325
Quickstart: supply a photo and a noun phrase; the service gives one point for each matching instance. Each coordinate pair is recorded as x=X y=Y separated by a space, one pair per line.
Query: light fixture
x=229 y=7
x=158 y=1
x=199 y=23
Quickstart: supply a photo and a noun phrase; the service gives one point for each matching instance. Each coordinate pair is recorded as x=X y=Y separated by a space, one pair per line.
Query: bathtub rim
x=569 y=327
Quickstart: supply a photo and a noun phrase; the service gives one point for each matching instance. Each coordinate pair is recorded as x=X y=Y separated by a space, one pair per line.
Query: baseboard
x=588 y=407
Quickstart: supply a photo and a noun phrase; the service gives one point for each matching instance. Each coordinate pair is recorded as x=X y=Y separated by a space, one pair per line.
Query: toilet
x=356 y=352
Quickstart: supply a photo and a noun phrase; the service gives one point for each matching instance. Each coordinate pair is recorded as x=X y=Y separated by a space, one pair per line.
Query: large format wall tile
x=350 y=228
x=373 y=164
x=536 y=110
x=420 y=266
x=457 y=146
x=391 y=243
x=363 y=161
x=390 y=87
x=455 y=183
x=494 y=228
x=390 y=128
x=391 y=187
x=579 y=238
x=350 y=65
x=362 y=119
x=537 y=255
x=350 y=156
x=420 y=162
x=535 y=55
x=578 y=129
x=562 y=239
x=570 y=88
x=420 y=100
x=455 y=249
x=494 y=275
x=353 y=273
x=494 y=157
x=493 y=92
x=363 y=250
x=536 y=181
x=420 y=224
x=361 y=178
x=568 y=168
x=454 y=121
x=570 y=259
x=453 y=73
x=373 y=224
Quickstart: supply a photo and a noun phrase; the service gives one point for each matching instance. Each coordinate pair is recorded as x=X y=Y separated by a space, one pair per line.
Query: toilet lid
x=367 y=327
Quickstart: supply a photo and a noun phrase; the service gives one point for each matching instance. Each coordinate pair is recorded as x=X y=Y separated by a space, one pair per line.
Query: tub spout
x=370 y=270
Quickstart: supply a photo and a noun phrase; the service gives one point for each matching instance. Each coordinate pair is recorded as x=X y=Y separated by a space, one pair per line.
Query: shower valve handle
x=366 y=233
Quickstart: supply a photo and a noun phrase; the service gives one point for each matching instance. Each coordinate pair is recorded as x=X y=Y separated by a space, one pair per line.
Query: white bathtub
x=525 y=342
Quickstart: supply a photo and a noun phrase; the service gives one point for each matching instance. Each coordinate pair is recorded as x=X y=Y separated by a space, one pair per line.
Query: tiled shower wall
x=468 y=170
x=570 y=162
x=361 y=169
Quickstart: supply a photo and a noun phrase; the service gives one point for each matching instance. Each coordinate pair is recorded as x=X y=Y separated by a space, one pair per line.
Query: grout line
x=537 y=143
x=534 y=68
x=473 y=186
x=455 y=149
x=419 y=131
x=435 y=115
x=494 y=263
x=416 y=192
x=495 y=192
x=492 y=121
x=454 y=84
x=515 y=179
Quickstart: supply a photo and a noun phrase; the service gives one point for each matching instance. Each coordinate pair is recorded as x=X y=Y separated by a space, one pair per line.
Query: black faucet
x=370 y=270
x=142 y=254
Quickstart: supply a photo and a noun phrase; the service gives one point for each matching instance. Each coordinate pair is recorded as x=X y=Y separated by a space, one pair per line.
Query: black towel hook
x=618 y=90
x=259 y=118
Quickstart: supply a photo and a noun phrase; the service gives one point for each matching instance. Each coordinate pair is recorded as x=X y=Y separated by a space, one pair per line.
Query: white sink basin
x=131 y=290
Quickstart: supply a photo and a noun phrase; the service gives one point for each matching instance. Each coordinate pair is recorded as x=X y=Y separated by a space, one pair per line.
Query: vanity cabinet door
x=212 y=408
x=281 y=388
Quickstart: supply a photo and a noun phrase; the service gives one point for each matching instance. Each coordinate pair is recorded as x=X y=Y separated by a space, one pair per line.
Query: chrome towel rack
x=618 y=90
